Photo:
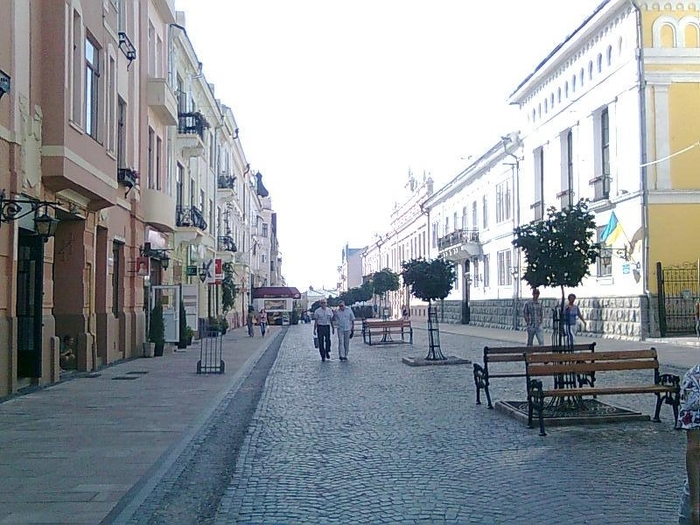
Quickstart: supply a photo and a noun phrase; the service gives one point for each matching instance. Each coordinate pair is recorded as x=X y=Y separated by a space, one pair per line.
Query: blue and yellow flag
x=612 y=231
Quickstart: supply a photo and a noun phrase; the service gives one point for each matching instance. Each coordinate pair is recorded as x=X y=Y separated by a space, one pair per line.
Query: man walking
x=345 y=323
x=323 y=324
x=532 y=311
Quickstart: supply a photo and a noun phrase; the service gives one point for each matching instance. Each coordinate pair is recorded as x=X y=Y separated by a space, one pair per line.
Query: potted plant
x=182 y=342
x=156 y=330
x=189 y=335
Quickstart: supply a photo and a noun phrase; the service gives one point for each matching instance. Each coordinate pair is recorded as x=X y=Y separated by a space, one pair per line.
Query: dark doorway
x=466 y=313
x=30 y=281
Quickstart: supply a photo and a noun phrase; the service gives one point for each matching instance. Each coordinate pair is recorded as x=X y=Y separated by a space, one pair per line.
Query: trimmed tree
x=229 y=290
x=156 y=330
x=385 y=281
x=559 y=250
x=430 y=281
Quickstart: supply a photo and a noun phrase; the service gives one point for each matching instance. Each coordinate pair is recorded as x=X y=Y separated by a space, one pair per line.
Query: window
x=151 y=159
x=92 y=87
x=485 y=212
x=457 y=265
x=601 y=181
x=264 y=229
x=464 y=218
x=179 y=184
x=454 y=221
x=447 y=225
x=566 y=195
x=159 y=176
x=121 y=133
x=474 y=217
x=503 y=201
x=77 y=68
x=151 y=50
x=193 y=192
x=111 y=103
x=435 y=235
x=504 y=264
x=538 y=205
x=602 y=270
x=487 y=271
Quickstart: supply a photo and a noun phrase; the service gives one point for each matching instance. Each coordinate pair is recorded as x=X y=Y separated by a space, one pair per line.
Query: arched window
x=558 y=95
x=566 y=90
x=600 y=63
x=608 y=57
x=590 y=70
x=573 y=84
x=620 y=46
x=551 y=100
x=582 y=77
x=546 y=106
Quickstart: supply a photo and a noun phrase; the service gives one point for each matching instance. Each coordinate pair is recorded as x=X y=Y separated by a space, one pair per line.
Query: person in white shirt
x=323 y=324
x=345 y=324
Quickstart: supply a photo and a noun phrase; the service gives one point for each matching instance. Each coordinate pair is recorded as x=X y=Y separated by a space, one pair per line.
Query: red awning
x=270 y=292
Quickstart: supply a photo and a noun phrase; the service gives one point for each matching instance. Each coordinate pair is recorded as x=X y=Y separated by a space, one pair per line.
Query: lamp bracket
x=13 y=209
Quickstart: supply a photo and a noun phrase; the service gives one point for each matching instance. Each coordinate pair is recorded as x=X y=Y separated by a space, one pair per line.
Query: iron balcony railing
x=225 y=243
x=458 y=237
x=127 y=177
x=227 y=182
x=190 y=216
x=191 y=124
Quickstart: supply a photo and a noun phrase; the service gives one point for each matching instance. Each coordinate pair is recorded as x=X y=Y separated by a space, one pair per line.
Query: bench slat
x=519 y=350
x=591 y=356
x=585 y=391
x=550 y=369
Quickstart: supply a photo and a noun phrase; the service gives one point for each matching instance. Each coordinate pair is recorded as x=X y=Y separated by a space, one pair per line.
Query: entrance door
x=30 y=280
x=466 y=312
x=169 y=296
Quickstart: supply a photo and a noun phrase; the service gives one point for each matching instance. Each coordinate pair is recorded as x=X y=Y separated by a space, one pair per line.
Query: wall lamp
x=5 y=83
x=156 y=253
x=13 y=209
x=606 y=254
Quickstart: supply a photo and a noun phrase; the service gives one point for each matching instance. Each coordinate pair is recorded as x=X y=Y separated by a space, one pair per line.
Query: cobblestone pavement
x=372 y=440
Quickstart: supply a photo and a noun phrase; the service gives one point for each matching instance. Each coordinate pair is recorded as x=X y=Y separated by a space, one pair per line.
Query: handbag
x=315 y=341
x=352 y=334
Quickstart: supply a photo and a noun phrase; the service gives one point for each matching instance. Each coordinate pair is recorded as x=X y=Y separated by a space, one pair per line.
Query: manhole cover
x=124 y=378
x=138 y=372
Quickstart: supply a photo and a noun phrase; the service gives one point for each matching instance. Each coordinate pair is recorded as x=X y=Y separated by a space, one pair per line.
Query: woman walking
x=262 y=319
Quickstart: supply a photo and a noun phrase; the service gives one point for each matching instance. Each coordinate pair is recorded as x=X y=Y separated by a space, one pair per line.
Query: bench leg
x=657 y=412
x=535 y=401
x=477 y=382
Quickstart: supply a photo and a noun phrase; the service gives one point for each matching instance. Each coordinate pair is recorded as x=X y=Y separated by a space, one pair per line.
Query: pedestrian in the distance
x=532 y=311
x=571 y=315
x=345 y=324
x=689 y=420
x=250 y=320
x=323 y=325
x=262 y=319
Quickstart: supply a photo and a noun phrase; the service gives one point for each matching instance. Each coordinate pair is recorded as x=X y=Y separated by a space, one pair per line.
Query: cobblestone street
x=372 y=440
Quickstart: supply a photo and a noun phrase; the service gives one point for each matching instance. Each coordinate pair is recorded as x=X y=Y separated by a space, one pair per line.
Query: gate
x=678 y=290
x=210 y=351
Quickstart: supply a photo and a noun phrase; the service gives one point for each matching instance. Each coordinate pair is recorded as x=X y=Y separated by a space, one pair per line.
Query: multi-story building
x=112 y=145
x=350 y=269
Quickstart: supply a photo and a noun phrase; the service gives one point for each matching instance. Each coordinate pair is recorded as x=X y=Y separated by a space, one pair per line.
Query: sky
x=337 y=100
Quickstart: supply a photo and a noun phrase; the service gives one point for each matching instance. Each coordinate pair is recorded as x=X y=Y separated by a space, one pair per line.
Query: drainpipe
x=641 y=86
x=515 y=171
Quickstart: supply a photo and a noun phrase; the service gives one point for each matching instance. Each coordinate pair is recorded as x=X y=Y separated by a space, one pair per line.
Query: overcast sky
x=336 y=100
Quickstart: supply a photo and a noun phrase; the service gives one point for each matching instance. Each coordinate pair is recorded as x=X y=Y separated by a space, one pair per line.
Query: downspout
x=641 y=86
x=515 y=171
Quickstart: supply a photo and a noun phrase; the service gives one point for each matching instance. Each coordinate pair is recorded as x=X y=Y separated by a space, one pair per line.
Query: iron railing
x=225 y=243
x=188 y=216
x=191 y=124
x=458 y=237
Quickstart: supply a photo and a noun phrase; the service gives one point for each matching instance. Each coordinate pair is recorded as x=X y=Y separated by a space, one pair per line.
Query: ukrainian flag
x=612 y=231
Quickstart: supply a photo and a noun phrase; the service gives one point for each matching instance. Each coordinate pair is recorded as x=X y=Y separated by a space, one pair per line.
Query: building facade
x=111 y=148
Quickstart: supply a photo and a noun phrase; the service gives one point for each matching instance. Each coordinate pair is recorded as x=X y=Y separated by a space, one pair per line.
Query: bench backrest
x=506 y=354
x=389 y=323
x=586 y=362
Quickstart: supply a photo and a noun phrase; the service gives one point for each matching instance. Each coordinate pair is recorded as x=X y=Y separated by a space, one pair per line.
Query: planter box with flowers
x=127 y=177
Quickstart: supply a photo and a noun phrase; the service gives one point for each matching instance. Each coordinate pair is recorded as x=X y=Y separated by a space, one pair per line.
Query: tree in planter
x=430 y=281
x=559 y=251
x=156 y=330
x=229 y=289
x=385 y=281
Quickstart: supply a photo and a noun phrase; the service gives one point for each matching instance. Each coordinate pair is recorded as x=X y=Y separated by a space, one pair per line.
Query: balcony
x=158 y=209
x=190 y=224
x=127 y=177
x=190 y=129
x=460 y=245
x=162 y=101
x=225 y=243
x=226 y=185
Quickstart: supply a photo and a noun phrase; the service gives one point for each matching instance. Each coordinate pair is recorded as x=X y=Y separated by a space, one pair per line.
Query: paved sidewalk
x=71 y=451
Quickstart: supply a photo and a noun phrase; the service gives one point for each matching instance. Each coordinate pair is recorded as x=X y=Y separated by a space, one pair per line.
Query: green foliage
x=385 y=281
x=559 y=249
x=429 y=280
x=156 y=330
x=229 y=289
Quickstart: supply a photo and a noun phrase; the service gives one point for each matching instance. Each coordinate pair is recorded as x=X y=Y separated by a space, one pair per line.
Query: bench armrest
x=669 y=379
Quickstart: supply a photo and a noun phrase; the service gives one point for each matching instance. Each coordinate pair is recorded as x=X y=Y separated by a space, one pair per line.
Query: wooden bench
x=382 y=331
x=666 y=387
x=508 y=354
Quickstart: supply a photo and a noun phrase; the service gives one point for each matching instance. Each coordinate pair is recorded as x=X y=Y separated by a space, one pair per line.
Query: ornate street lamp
x=14 y=209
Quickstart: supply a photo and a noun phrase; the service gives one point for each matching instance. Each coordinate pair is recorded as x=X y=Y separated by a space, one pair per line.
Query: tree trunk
x=434 y=351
